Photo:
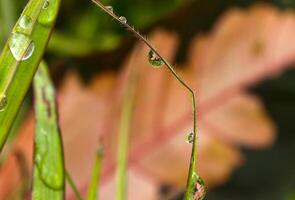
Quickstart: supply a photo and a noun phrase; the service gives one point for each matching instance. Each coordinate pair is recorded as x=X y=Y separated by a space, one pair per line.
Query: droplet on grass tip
x=154 y=59
x=200 y=189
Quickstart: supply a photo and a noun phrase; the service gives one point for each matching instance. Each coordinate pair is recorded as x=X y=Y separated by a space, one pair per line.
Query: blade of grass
x=92 y=193
x=7 y=18
x=123 y=140
x=193 y=179
x=73 y=186
x=49 y=175
x=33 y=29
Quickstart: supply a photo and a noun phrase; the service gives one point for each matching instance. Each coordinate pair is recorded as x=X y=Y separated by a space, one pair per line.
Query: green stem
x=48 y=176
x=124 y=130
x=193 y=159
x=92 y=193
x=8 y=14
x=73 y=186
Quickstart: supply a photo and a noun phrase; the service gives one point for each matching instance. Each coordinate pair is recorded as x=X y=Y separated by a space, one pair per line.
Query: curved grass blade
x=21 y=56
x=193 y=180
x=49 y=172
x=92 y=193
x=124 y=134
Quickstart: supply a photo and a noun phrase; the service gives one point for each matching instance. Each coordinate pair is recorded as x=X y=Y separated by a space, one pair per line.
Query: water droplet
x=190 y=138
x=3 y=102
x=25 y=22
x=21 y=46
x=200 y=189
x=123 y=19
x=46 y=4
x=110 y=8
x=30 y=51
x=154 y=59
x=48 y=13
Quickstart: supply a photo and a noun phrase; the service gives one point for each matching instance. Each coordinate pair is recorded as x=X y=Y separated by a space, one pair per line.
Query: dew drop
x=190 y=138
x=46 y=4
x=30 y=51
x=21 y=46
x=25 y=22
x=123 y=19
x=154 y=59
x=110 y=8
x=3 y=102
x=200 y=189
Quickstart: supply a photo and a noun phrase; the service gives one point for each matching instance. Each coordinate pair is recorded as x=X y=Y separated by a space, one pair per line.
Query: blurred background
x=237 y=55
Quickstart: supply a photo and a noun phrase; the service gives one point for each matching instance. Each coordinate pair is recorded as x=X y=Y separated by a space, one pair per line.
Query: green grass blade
x=124 y=130
x=7 y=18
x=73 y=186
x=92 y=193
x=49 y=172
x=21 y=56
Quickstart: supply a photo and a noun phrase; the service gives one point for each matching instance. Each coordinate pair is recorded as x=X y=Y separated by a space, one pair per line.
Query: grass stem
x=193 y=159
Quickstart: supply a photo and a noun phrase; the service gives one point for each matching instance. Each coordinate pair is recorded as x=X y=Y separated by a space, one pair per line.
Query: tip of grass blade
x=49 y=173
x=92 y=193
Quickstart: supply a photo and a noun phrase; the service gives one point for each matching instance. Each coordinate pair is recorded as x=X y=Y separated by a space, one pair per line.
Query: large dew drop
x=154 y=59
x=21 y=46
x=30 y=51
x=25 y=22
x=3 y=102
x=123 y=19
x=200 y=189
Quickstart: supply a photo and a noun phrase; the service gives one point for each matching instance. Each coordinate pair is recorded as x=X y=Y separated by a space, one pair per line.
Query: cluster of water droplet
x=20 y=43
x=154 y=59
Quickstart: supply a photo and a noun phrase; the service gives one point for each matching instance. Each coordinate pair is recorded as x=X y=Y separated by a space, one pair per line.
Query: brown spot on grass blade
x=45 y=100
x=49 y=172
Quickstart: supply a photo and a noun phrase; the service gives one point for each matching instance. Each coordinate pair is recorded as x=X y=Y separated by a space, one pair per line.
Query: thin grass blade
x=21 y=56
x=92 y=193
x=124 y=135
x=49 y=171
x=73 y=186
